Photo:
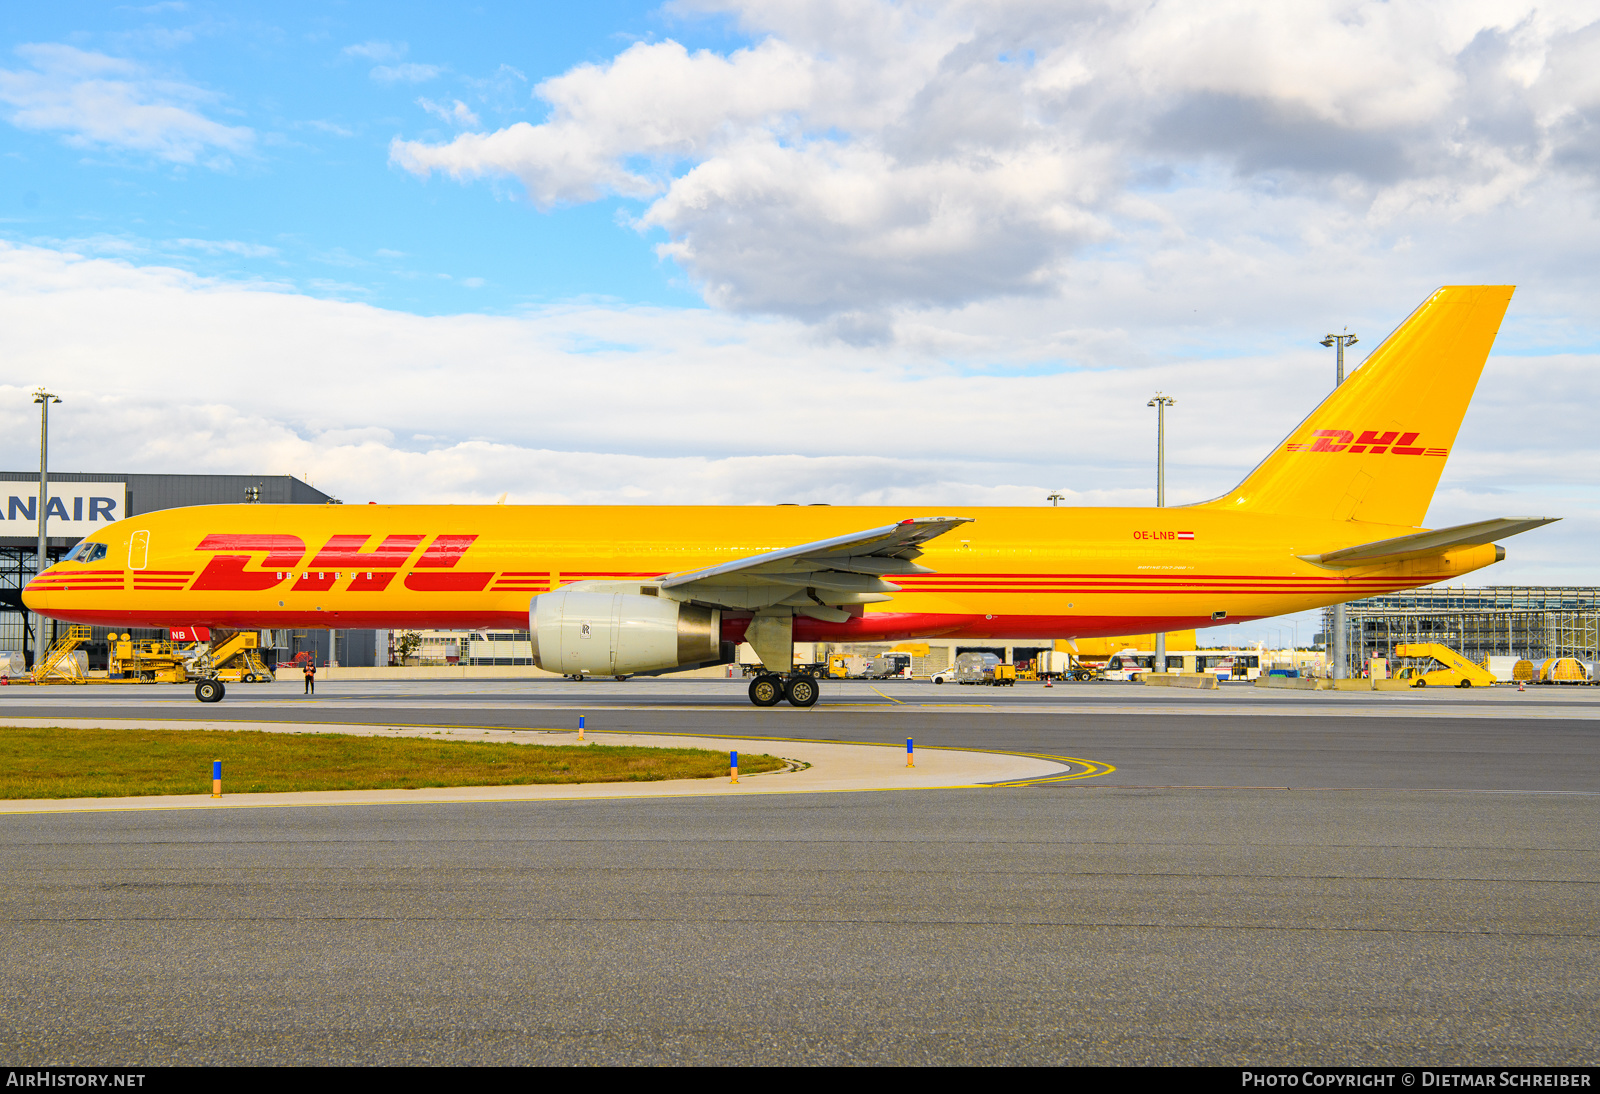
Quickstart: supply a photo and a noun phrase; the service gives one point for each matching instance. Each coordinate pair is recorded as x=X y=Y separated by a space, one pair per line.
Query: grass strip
x=115 y=763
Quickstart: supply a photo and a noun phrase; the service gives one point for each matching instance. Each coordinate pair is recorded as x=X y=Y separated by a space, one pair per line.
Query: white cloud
x=654 y=101
x=377 y=51
x=863 y=165
x=331 y=127
x=225 y=246
x=409 y=73
x=590 y=403
x=459 y=114
x=101 y=101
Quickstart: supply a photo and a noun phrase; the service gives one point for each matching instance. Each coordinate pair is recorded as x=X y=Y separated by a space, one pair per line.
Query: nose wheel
x=769 y=689
x=209 y=691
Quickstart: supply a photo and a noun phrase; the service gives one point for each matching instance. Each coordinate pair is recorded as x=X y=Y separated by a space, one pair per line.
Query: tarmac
x=1244 y=878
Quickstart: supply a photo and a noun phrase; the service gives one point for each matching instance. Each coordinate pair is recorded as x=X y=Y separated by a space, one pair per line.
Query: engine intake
x=617 y=634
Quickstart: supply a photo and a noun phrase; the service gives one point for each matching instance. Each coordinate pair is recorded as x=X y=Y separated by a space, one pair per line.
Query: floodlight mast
x=1161 y=402
x=1338 y=641
x=44 y=399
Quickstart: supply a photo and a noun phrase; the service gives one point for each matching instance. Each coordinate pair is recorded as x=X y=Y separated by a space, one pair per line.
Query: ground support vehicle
x=974 y=668
x=150 y=660
x=889 y=664
x=1127 y=665
x=1457 y=671
x=233 y=658
x=62 y=663
x=846 y=666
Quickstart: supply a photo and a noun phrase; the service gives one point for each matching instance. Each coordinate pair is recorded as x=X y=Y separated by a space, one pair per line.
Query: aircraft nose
x=35 y=600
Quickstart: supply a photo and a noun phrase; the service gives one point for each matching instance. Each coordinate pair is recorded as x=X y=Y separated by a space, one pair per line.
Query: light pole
x=1055 y=499
x=1161 y=402
x=1338 y=643
x=44 y=399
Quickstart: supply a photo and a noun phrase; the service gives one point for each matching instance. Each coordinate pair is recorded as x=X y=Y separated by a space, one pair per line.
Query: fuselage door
x=139 y=550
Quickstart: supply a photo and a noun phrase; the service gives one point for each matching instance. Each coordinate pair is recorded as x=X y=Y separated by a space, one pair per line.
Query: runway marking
x=891 y=698
x=1355 y=789
x=1093 y=769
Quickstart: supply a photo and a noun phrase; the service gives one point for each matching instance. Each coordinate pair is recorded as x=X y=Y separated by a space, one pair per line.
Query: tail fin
x=1375 y=448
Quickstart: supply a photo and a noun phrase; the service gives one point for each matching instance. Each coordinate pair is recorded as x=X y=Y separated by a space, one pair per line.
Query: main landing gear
x=769 y=689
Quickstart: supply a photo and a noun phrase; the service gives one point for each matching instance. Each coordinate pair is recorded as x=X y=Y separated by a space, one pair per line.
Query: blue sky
x=311 y=200
x=933 y=255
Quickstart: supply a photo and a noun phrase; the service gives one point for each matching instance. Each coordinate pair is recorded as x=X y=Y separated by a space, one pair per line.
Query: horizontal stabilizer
x=1422 y=544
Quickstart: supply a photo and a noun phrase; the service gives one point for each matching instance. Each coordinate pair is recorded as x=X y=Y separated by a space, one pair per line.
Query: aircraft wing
x=1422 y=544
x=819 y=577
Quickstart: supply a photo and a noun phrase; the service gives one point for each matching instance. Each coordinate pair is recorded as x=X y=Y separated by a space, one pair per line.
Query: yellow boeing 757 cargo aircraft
x=1330 y=515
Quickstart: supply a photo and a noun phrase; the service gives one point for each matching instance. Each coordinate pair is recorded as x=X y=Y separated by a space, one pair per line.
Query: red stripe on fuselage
x=880 y=627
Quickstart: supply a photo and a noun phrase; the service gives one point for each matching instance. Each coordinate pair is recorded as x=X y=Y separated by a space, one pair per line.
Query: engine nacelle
x=615 y=634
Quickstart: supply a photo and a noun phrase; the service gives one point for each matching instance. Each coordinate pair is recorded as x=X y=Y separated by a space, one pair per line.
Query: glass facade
x=1530 y=622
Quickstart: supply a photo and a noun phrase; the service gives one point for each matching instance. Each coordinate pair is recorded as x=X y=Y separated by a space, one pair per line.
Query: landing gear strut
x=769 y=689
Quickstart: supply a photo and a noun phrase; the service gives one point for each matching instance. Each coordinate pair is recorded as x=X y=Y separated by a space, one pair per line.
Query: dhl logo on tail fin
x=1343 y=440
x=1406 y=400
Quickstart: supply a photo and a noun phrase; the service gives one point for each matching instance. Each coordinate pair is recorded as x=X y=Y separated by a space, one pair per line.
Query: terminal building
x=81 y=502
x=1531 y=623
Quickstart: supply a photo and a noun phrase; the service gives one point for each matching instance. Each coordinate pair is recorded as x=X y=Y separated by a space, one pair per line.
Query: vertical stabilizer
x=1375 y=448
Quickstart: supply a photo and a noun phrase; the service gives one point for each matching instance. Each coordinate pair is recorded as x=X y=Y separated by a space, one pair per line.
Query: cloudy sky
x=931 y=255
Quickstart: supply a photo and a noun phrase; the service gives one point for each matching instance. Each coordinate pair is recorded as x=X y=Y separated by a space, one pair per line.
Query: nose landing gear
x=769 y=689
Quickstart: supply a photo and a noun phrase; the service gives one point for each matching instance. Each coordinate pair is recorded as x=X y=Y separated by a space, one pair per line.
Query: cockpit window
x=87 y=552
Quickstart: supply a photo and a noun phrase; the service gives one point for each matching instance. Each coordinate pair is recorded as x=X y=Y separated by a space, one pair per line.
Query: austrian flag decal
x=1185 y=535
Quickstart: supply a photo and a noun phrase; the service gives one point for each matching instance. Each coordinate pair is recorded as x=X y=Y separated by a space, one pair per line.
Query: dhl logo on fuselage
x=341 y=556
x=1394 y=442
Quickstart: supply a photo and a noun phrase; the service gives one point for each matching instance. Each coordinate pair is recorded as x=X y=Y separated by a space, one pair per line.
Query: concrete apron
x=832 y=768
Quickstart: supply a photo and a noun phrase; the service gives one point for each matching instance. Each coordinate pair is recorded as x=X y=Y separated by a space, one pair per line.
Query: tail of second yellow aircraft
x=1375 y=448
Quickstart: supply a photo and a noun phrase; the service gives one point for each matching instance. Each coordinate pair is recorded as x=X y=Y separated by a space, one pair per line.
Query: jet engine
x=618 y=634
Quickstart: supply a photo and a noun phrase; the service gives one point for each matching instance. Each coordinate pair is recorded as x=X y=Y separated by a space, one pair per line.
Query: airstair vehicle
x=1458 y=671
x=58 y=665
x=234 y=658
